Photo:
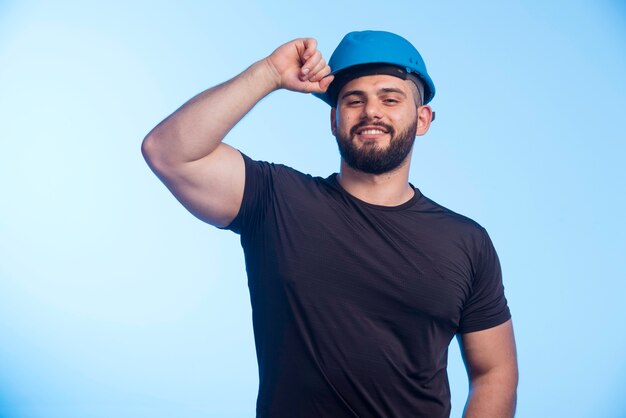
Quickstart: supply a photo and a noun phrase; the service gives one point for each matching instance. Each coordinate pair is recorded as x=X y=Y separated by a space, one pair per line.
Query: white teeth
x=372 y=132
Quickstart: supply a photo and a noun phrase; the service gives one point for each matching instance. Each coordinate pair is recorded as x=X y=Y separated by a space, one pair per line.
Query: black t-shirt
x=354 y=305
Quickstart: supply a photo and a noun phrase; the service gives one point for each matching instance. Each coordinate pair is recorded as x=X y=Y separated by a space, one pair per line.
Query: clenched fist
x=299 y=66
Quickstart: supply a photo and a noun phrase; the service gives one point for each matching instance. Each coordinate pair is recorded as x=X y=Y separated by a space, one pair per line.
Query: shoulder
x=452 y=232
x=445 y=218
x=280 y=176
x=278 y=189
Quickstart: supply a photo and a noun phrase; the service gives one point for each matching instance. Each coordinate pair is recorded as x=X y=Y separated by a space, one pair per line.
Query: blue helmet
x=376 y=52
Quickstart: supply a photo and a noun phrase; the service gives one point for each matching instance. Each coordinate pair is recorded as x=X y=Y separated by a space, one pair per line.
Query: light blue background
x=115 y=302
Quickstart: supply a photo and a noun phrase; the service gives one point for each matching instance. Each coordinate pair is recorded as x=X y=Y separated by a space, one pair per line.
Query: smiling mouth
x=371 y=132
x=371 y=129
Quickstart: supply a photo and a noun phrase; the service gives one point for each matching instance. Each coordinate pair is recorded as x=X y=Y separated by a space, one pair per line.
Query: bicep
x=490 y=351
x=212 y=187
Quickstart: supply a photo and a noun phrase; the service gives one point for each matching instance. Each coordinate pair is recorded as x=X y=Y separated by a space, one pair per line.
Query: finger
x=310 y=64
x=310 y=46
x=319 y=71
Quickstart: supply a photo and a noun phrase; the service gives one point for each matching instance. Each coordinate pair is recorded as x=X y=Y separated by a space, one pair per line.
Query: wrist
x=263 y=74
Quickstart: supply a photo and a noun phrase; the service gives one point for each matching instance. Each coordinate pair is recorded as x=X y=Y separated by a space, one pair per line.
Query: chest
x=377 y=263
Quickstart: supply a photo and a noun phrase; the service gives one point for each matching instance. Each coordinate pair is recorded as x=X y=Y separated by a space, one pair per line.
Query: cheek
x=339 y=127
x=405 y=119
x=346 y=121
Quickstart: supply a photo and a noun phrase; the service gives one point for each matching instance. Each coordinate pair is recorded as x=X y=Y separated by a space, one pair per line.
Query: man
x=358 y=282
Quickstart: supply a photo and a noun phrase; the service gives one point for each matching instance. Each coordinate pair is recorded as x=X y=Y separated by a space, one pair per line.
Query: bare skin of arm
x=186 y=151
x=491 y=362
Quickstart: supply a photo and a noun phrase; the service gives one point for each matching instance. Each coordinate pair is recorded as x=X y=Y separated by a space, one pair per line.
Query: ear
x=333 y=121
x=424 y=118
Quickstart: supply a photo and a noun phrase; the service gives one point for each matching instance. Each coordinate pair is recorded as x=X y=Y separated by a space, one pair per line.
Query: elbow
x=151 y=152
x=147 y=148
x=501 y=384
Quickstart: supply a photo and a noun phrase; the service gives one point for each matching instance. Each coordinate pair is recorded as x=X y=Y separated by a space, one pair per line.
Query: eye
x=354 y=102
x=390 y=100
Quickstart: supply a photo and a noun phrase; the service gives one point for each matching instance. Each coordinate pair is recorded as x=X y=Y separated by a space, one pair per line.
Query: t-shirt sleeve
x=487 y=306
x=256 y=195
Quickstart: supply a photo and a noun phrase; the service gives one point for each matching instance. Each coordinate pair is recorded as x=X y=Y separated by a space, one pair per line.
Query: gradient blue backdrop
x=115 y=302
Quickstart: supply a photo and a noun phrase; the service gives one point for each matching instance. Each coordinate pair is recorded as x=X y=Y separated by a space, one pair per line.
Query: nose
x=372 y=110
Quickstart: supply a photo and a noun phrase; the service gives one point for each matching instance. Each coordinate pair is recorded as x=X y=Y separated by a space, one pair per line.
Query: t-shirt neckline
x=416 y=196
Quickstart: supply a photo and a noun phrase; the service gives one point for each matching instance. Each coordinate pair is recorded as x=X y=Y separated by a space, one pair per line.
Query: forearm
x=492 y=397
x=199 y=126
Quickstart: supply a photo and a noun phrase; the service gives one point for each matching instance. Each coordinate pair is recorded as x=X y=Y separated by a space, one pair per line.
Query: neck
x=387 y=189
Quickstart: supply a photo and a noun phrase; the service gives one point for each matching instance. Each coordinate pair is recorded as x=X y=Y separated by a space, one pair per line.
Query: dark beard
x=372 y=159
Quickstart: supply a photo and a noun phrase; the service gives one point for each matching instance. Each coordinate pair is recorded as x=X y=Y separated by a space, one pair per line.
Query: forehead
x=375 y=83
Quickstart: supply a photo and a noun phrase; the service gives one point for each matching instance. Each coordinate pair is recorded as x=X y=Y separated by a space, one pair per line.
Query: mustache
x=361 y=124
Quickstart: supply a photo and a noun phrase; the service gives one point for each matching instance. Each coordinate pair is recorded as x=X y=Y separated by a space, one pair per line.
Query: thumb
x=319 y=86
x=325 y=82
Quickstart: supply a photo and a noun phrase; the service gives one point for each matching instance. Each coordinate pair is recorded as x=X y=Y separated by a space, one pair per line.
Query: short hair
x=418 y=90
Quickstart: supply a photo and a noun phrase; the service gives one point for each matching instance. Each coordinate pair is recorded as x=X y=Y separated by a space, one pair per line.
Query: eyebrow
x=382 y=90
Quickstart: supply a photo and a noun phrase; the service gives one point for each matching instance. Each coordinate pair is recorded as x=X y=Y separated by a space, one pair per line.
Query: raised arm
x=186 y=151
x=491 y=362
